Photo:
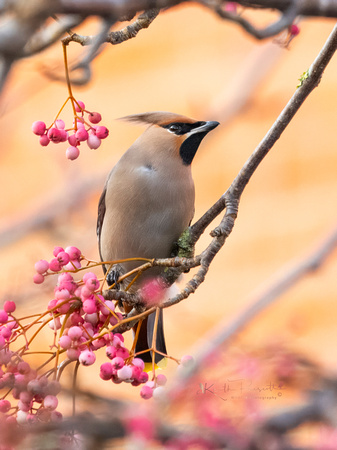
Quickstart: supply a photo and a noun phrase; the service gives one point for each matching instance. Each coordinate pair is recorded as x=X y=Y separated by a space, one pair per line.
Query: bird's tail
x=145 y=337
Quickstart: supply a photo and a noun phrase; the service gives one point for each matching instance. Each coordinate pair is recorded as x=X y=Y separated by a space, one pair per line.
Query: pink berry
x=93 y=318
x=72 y=153
x=73 y=353
x=75 y=333
x=73 y=252
x=5 y=333
x=93 y=142
x=106 y=307
x=41 y=266
x=294 y=29
x=71 y=264
x=88 y=275
x=76 y=319
x=117 y=362
x=44 y=140
x=159 y=393
x=89 y=306
x=111 y=351
x=85 y=293
x=23 y=367
x=63 y=278
x=106 y=371
x=87 y=358
x=57 y=250
x=26 y=396
x=151 y=384
x=64 y=135
x=79 y=106
x=63 y=258
x=55 y=324
x=161 y=379
x=3 y=316
x=55 y=135
x=9 y=306
x=21 y=417
x=5 y=406
x=118 y=339
x=59 y=123
x=79 y=123
x=125 y=373
x=50 y=402
x=98 y=343
x=138 y=363
x=81 y=134
x=39 y=127
x=95 y=117
x=55 y=265
x=102 y=132
x=62 y=294
x=92 y=284
x=52 y=304
x=146 y=392
x=38 y=278
x=122 y=352
x=63 y=308
x=231 y=7
x=72 y=140
x=65 y=342
x=143 y=377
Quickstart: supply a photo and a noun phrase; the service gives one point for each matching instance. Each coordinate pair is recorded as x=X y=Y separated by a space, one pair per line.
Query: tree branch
x=231 y=198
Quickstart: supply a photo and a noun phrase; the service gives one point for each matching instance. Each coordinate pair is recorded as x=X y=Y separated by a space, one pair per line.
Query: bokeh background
x=191 y=62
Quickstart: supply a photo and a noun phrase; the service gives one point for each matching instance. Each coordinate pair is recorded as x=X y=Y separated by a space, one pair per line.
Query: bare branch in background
x=25 y=28
x=48 y=209
x=285 y=20
x=285 y=281
x=50 y=34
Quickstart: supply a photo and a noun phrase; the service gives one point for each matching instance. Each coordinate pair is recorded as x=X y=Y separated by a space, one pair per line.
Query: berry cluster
x=82 y=314
x=81 y=131
x=33 y=396
x=83 y=322
x=68 y=259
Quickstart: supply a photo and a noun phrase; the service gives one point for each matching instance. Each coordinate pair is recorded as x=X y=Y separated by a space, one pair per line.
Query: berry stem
x=65 y=59
x=57 y=355
x=58 y=114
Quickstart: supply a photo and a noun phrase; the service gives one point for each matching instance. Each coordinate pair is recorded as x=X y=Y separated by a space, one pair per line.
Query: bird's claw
x=112 y=278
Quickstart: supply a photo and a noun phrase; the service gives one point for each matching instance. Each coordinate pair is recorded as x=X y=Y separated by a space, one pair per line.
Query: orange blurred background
x=193 y=63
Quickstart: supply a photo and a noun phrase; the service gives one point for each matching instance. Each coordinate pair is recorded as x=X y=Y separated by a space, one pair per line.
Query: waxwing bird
x=148 y=201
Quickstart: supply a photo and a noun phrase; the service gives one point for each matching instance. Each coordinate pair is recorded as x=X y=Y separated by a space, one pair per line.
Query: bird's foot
x=112 y=278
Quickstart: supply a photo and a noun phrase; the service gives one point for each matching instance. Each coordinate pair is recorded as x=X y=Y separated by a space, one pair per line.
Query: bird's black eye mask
x=180 y=128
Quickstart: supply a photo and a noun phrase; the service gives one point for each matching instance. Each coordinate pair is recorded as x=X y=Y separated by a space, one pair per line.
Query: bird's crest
x=157 y=118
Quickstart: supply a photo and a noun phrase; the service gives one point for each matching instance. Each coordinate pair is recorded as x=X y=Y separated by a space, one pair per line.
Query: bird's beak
x=205 y=128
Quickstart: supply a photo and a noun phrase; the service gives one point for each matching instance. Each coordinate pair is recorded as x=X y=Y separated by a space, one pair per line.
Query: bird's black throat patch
x=190 y=146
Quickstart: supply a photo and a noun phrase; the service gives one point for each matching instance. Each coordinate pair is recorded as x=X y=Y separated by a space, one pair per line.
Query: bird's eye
x=175 y=128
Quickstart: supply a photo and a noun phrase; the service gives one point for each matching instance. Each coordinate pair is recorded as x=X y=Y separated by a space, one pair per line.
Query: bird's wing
x=100 y=218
